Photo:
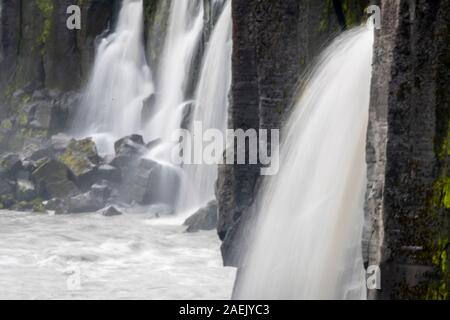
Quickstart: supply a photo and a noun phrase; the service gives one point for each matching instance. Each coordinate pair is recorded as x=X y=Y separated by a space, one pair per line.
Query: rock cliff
x=407 y=207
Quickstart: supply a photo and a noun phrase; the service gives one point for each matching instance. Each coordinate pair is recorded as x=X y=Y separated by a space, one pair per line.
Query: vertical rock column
x=408 y=197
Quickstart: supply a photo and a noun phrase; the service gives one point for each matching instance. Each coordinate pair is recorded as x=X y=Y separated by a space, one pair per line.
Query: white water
x=211 y=108
x=120 y=82
x=175 y=72
x=308 y=235
x=133 y=256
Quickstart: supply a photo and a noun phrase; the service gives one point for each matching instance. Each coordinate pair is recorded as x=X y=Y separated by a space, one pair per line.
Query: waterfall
x=307 y=243
x=211 y=108
x=176 y=68
x=121 y=81
x=217 y=5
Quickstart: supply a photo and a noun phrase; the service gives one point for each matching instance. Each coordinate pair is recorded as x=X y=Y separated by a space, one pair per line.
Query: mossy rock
x=54 y=180
x=80 y=156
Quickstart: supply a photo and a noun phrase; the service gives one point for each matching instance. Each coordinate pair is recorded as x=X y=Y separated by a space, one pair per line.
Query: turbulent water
x=308 y=236
x=133 y=256
x=120 y=82
x=211 y=108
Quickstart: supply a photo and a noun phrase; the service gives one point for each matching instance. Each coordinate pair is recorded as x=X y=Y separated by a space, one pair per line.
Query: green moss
x=26 y=99
x=23 y=119
x=443 y=149
x=79 y=155
x=441 y=193
x=436 y=250
x=349 y=7
x=46 y=7
x=6 y=124
x=150 y=8
x=440 y=290
x=37 y=205
x=34 y=205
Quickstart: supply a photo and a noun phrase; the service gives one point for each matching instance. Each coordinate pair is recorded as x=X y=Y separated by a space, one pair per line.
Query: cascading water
x=211 y=105
x=175 y=72
x=216 y=8
x=181 y=45
x=307 y=243
x=121 y=81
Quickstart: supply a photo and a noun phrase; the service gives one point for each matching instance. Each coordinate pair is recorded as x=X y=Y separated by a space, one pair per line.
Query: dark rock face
x=274 y=42
x=44 y=64
x=36 y=42
x=407 y=207
x=204 y=219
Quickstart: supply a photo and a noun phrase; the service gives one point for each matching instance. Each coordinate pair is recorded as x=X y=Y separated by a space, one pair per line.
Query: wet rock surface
x=407 y=216
x=111 y=212
x=204 y=219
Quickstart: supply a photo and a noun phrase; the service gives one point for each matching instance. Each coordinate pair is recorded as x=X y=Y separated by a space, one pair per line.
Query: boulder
x=54 y=180
x=86 y=202
x=203 y=219
x=111 y=212
x=81 y=158
x=124 y=162
x=150 y=182
x=136 y=186
x=93 y=200
x=104 y=190
x=130 y=146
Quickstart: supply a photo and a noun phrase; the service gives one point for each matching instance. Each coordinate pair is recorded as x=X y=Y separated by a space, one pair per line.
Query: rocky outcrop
x=407 y=207
x=43 y=64
x=36 y=42
x=204 y=219
x=274 y=42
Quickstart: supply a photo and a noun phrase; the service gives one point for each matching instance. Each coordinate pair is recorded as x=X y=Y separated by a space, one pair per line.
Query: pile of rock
x=65 y=175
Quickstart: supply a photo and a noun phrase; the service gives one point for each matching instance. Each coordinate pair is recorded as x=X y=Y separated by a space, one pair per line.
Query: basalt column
x=408 y=196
